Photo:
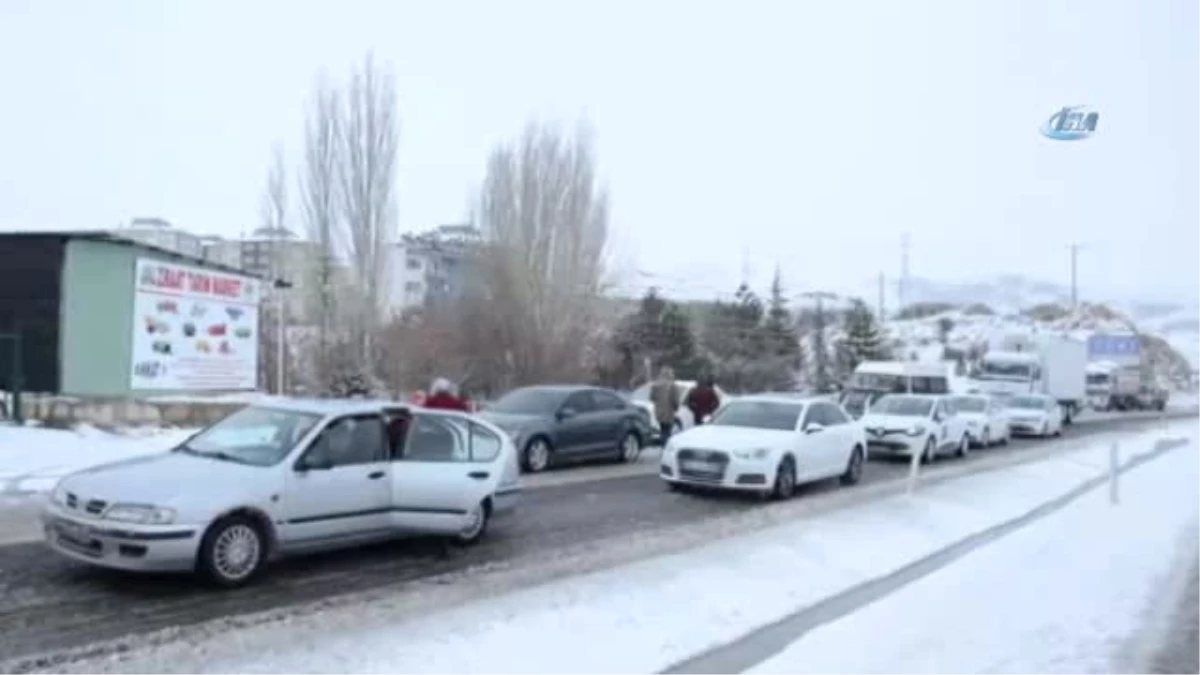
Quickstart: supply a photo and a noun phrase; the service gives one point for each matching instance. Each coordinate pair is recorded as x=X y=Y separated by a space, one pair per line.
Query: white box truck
x=1039 y=364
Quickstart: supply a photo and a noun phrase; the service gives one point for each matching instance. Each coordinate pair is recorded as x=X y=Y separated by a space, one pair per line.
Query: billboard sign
x=194 y=329
x=1118 y=348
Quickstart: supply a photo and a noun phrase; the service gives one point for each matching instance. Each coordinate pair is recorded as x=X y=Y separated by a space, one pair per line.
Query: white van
x=873 y=379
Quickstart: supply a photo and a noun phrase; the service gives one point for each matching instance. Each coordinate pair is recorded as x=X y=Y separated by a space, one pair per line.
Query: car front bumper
x=1028 y=427
x=895 y=445
x=726 y=473
x=123 y=546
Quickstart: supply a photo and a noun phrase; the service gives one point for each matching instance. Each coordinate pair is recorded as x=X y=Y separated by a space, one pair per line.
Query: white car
x=986 y=418
x=1035 y=415
x=768 y=445
x=684 y=419
x=283 y=478
x=914 y=424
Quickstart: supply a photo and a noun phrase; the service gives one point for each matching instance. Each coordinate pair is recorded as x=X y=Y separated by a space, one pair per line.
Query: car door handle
x=375 y=475
x=479 y=475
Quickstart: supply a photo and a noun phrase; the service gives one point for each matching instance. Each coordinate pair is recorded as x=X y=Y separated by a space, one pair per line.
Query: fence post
x=914 y=469
x=1114 y=473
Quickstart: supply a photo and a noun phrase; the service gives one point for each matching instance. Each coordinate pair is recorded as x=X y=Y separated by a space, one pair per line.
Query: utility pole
x=820 y=355
x=882 y=290
x=905 y=242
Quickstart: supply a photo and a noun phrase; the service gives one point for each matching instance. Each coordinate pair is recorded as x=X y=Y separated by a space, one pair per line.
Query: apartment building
x=430 y=266
x=160 y=233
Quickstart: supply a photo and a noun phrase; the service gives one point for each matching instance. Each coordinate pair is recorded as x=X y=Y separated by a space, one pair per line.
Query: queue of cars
x=296 y=476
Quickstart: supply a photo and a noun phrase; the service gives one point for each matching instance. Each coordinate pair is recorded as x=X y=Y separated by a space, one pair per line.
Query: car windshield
x=1097 y=378
x=252 y=435
x=759 y=415
x=1027 y=402
x=906 y=406
x=529 y=401
x=1006 y=370
x=971 y=404
x=879 y=382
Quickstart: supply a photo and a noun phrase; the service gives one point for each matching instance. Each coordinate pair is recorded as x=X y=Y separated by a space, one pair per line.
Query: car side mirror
x=565 y=414
x=814 y=428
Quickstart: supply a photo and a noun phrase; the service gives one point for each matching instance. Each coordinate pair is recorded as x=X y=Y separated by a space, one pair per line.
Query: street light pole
x=280 y=321
x=1075 y=248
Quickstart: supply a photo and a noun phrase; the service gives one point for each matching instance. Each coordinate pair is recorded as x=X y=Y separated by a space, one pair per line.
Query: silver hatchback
x=286 y=478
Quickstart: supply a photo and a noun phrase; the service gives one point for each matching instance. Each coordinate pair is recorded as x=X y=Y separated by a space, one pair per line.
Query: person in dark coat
x=442 y=397
x=703 y=399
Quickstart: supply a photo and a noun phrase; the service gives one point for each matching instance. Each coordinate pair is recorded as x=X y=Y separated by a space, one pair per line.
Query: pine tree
x=784 y=355
x=863 y=340
x=659 y=330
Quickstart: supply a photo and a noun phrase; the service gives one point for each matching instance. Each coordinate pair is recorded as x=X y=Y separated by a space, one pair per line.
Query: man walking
x=703 y=399
x=665 y=397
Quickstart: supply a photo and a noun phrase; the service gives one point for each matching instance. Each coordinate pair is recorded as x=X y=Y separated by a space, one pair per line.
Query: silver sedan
x=287 y=478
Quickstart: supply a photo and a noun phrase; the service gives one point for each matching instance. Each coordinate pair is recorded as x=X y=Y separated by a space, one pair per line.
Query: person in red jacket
x=703 y=399
x=441 y=396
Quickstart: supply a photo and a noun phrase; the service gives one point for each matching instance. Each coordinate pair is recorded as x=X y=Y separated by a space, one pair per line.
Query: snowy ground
x=33 y=459
x=1074 y=593
x=664 y=610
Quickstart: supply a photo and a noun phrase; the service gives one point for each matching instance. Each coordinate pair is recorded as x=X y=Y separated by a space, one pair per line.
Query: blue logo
x=1114 y=345
x=1072 y=123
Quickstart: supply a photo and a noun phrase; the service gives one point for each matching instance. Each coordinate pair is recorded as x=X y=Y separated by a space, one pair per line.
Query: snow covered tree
x=734 y=339
x=863 y=338
x=659 y=330
x=781 y=338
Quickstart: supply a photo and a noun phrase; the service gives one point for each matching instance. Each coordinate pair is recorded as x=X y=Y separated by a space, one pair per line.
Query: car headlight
x=916 y=430
x=142 y=514
x=757 y=453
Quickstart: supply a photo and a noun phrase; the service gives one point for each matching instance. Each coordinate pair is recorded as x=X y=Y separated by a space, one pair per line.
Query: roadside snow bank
x=644 y=616
x=32 y=459
x=1062 y=595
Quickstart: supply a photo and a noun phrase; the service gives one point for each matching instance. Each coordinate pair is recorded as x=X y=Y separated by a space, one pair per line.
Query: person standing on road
x=665 y=397
x=442 y=397
x=703 y=399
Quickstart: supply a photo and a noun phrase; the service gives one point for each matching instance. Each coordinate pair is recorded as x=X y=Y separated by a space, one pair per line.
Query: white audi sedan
x=767 y=444
x=285 y=478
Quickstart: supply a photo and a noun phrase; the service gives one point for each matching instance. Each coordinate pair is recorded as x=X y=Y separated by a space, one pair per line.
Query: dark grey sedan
x=569 y=423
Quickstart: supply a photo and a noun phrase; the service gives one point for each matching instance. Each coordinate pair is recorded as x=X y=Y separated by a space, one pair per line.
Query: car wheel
x=964 y=445
x=232 y=552
x=854 y=468
x=1058 y=431
x=1004 y=439
x=536 y=456
x=785 y=480
x=476 y=525
x=930 y=451
x=631 y=447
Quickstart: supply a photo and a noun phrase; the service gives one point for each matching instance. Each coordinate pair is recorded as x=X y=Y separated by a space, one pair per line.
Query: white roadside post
x=914 y=470
x=1114 y=474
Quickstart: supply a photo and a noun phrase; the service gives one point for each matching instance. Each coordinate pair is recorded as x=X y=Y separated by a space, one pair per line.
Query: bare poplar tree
x=321 y=207
x=367 y=181
x=544 y=215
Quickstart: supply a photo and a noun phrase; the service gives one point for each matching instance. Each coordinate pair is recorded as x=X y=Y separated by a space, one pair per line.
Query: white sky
x=808 y=134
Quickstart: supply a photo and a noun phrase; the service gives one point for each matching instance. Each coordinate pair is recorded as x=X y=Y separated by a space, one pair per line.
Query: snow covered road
x=73 y=607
